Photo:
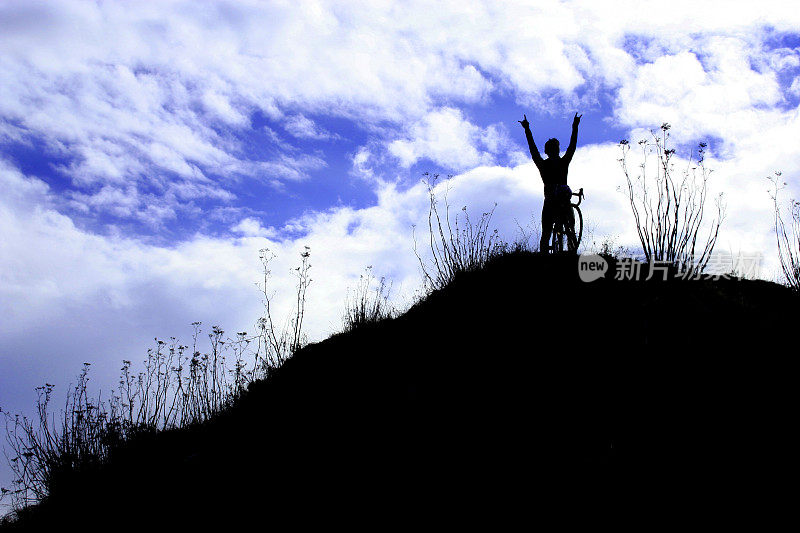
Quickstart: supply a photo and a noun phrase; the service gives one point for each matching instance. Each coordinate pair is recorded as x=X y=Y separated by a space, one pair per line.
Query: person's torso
x=554 y=174
x=554 y=171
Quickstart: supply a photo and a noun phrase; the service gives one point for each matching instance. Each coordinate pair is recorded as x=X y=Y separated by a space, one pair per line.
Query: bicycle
x=563 y=231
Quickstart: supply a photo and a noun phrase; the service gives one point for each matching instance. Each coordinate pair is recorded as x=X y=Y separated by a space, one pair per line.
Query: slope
x=518 y=392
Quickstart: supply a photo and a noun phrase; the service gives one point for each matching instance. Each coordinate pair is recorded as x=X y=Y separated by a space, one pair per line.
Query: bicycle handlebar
x=580 y=196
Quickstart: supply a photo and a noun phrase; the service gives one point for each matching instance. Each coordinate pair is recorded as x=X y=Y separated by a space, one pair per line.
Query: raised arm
x=537 y=157
x=573 y=140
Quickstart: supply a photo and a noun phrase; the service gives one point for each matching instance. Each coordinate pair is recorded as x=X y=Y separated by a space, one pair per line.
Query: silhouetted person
x=554 y=175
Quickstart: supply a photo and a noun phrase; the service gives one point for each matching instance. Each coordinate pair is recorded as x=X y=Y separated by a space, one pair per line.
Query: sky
x=149 y=150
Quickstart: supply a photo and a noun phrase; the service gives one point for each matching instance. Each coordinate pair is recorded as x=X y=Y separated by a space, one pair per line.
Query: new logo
x=591 y=267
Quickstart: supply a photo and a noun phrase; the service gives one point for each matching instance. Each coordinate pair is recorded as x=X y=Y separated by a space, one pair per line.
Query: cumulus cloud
x=447 y=138
x=714 y=93
x=250 y=227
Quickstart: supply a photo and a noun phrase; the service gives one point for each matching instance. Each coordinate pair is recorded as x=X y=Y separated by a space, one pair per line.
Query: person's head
x=551 y=148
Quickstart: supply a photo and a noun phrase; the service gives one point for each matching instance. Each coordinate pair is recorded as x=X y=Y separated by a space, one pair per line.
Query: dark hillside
x=517 y=392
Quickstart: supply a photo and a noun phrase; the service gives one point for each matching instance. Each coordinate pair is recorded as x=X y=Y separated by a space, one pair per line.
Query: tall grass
x=787 y=233
x=368 y=302
x=177 y=386
x=457 y=244
x=669 y=206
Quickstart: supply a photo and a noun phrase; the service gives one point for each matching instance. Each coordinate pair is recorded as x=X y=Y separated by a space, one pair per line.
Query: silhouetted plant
x=527 y=238
x=42 y=453
x=457 y=246
x=178 y=386
x=668 y=209
x=788 y=237
x=276 y=344
x=608 y=246
x=368 y=302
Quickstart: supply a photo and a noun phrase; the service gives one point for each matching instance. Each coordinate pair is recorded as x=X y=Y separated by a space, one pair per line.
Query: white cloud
x=250 y=227
x=716 y=93
x=784 y=58
x=289 y=167
x=447 y=138
x=305 y=128
x=794 y=88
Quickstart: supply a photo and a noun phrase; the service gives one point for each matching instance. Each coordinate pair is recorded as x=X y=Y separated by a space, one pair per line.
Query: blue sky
x=148 y=150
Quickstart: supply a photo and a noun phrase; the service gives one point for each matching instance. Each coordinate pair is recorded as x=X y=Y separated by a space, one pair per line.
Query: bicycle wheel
x=574 y=231
x=578 y=216
x=572 y=243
